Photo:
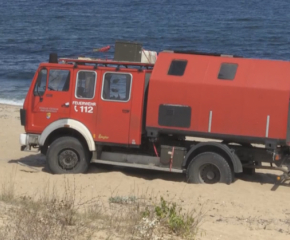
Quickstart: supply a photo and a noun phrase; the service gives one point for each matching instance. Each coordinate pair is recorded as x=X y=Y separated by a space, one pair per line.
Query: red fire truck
x=142 y=114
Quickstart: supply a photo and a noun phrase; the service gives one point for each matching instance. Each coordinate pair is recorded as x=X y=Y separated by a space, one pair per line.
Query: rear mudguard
x=214 y=147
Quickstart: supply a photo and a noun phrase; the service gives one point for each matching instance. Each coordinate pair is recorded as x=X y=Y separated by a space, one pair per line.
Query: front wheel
x=210 y=168
x=67 y=155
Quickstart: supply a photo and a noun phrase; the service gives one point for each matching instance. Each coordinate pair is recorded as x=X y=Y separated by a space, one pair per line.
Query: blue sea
x=30 y=30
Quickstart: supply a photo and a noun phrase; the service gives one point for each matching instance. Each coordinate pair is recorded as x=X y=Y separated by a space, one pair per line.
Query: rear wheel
x=209 y=168
x=67 y=155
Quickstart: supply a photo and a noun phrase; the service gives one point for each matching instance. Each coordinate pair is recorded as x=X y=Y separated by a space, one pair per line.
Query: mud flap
x=281 y=180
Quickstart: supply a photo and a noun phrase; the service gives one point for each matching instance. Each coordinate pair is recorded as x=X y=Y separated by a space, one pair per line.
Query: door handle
x=125 y=110
x=65 y=104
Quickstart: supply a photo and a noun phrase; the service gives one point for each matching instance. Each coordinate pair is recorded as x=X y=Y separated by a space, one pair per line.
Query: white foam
x=15 y=102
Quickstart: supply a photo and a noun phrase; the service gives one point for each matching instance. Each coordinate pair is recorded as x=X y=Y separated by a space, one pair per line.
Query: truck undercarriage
x=216 y=161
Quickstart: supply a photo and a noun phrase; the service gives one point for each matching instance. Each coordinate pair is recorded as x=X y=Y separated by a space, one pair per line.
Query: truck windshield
x=59 y=80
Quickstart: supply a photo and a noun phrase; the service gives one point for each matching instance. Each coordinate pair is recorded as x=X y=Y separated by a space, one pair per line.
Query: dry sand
x=246 y=209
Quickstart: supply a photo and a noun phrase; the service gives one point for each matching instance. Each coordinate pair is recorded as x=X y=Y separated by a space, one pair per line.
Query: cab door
x=51 y=97
x=84 y=97
x=114 y=108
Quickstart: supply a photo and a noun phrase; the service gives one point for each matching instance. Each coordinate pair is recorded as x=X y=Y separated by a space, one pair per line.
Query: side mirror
x=39 y=78
x=42 y=72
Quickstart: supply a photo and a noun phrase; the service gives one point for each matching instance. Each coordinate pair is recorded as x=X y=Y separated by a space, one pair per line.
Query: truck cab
x=98 y=99
x=102 y=99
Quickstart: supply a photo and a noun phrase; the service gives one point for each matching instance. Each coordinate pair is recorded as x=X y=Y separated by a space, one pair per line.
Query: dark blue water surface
x=30 y=30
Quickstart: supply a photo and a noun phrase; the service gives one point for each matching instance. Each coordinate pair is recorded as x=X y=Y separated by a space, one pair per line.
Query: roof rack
x=204 y=53
x=105 y=62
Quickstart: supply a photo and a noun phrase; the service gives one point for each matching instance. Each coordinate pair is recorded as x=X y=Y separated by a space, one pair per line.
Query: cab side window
x=40 y=84
x=86 y=83
x=116 y=87
x=59 y=80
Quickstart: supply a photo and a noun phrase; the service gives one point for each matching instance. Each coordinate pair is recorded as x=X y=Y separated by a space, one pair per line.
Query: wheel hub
x=68 y=159
x=209 y=173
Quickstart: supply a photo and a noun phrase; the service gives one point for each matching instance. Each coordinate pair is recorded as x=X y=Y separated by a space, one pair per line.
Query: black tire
x=67 y=155
x=209 y=168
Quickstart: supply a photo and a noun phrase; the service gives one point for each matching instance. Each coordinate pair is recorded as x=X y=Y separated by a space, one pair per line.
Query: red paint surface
x=240 y=106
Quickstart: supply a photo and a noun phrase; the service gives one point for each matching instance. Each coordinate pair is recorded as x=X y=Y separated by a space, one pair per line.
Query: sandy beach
x=246 y=209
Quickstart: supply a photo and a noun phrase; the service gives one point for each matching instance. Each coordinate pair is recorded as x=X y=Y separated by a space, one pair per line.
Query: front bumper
x=29 y=140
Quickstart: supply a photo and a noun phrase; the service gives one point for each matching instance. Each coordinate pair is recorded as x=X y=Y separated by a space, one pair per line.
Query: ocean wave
x=15 y=102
